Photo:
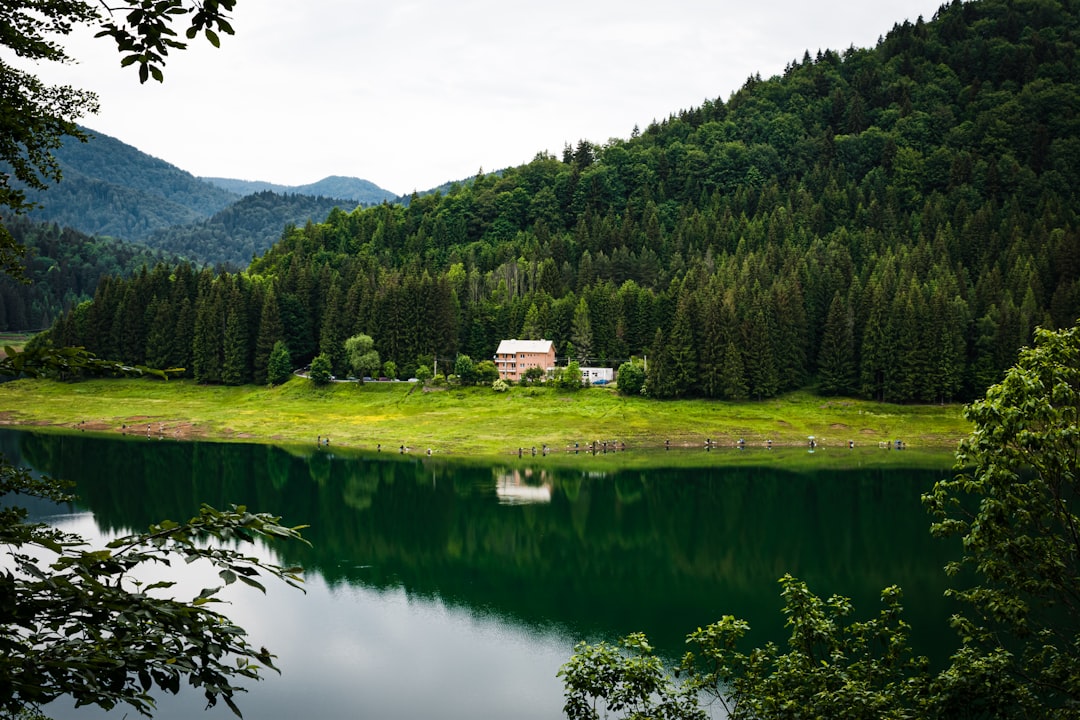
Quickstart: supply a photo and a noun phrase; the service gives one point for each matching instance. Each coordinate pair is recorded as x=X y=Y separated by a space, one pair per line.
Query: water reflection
x=522 y=486
x=480 y=579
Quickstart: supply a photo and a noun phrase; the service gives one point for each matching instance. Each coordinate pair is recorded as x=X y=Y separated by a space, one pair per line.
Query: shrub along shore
x=470 y=421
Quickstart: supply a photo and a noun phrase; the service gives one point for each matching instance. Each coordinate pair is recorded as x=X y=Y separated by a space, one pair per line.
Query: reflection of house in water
x=512 y=487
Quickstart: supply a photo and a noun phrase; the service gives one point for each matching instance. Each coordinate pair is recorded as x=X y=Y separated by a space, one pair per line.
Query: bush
x=279 y=367
x=500 y=386
x=570 y=377
x=631 y=378
x=320 y=370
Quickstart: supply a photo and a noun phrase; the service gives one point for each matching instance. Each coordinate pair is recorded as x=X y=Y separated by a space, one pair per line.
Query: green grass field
x=466 y=421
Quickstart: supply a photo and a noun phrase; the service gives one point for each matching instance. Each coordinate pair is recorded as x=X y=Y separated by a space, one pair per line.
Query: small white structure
x=597 y=375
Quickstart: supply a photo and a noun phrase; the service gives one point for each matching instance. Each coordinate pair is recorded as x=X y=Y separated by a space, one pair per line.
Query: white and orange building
x=514 y=357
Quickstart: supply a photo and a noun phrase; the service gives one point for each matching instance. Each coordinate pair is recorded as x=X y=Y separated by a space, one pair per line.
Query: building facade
x=514 y=357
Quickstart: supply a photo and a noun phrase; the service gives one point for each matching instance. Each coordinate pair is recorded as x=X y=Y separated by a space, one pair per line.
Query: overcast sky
x=412 y=93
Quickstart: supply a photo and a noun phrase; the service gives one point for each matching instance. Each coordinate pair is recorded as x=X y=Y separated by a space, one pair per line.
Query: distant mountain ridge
x=112 y=189
x=363 y=192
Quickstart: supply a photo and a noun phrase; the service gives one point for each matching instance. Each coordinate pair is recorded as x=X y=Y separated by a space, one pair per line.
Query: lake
x=452 y=589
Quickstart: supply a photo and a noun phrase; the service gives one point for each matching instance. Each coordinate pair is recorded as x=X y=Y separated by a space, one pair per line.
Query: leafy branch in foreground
x=78 y=621
x=1014 y=505
x=834 y=667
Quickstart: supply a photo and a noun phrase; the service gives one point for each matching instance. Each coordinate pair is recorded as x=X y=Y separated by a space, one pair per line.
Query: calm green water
x=456 y=591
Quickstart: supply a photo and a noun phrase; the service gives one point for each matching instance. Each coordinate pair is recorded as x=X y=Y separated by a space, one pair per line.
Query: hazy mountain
x=363 y=192
x=111 y=188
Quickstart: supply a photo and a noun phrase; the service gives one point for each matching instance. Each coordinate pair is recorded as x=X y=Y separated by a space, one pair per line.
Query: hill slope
x=361 y=192
x=244 y=229
x=111 y=188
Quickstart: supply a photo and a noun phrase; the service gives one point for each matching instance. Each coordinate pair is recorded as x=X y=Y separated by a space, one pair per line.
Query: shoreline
x=467 y=422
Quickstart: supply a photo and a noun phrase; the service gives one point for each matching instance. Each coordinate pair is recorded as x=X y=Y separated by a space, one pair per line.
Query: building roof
x=512 y=347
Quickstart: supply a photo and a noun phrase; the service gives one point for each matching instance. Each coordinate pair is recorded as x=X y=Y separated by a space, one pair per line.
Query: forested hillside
x=361 y=192
x=246 y=228
x=889 y=222
x=110 y=188
x=63 y=266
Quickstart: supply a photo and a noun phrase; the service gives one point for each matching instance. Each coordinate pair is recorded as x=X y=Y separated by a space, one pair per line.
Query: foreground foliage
x=1012 y=505
x=35 y=117
x=77 y=621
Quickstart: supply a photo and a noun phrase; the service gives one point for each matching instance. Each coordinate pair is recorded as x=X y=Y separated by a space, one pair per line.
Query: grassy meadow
x=465 y=421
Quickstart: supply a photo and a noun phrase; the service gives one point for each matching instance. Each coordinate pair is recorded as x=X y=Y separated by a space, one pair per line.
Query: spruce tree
x=581 y=332
x=530 y=330
x=159 y=338
x=658 y=375
x=734 y=385
x=271 y=331
x=763 y=379
x=681 y=353
x=234 y=368
x=836 y=359
x=209 y=336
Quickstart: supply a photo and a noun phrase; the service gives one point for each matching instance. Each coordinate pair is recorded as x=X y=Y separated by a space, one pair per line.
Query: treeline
x=63 y=267
x=248 y=227
x=891 y=223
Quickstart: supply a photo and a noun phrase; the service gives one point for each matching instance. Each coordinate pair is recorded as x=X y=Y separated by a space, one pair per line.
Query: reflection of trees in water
x=676 y=546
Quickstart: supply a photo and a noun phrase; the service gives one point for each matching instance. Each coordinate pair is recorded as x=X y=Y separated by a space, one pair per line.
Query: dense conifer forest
x=239 y=232
x=63 y=267
x=889 y=222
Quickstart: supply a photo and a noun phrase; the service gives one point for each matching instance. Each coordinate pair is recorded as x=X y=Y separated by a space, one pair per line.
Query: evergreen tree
x=270 y=333
x=234 y=367
x=159 y=339
x=332 y=336
x=763 y=380
x=209 y=336
x=734 y=385
x=836 y=359
x=681 y=355
x=581 y=332
x=531 y=329
x=658 y=381
x=713 y=352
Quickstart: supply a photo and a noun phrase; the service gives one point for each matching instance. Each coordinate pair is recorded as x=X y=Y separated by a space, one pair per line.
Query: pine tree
x=658 y=375
x=836 y=358
x=159 y=339
x=235 y=369
x=713 y=352
x=681 y=353
x=763 y=380
x=209 y=336
x=530 y=330
x=734 y=374
x=581 y=332
x=271 y=331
